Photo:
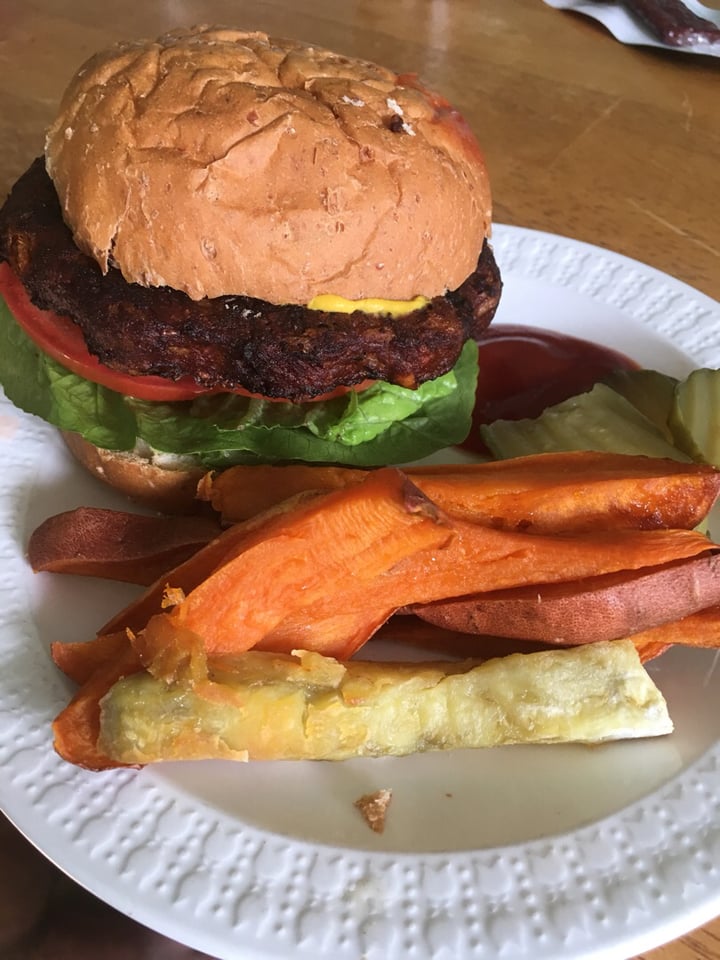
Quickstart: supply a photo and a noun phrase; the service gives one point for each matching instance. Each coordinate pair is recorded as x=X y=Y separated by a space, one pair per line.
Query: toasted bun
x=221 y=162
x=163 y=489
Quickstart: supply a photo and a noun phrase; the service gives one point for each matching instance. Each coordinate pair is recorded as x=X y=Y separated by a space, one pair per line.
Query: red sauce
x=523 y=370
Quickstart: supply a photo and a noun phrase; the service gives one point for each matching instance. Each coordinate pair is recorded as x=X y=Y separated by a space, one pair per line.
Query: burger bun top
x=221 y=162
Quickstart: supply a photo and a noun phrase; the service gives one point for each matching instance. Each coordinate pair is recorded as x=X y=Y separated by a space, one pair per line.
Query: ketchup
x=523 y=370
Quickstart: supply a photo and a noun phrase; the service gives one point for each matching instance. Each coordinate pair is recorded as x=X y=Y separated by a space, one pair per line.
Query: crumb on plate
x=373 y=807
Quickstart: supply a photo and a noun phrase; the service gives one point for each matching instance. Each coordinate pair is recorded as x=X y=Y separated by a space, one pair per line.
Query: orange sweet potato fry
x=187 y=575
x=80 y=660
x=546 y=493
x=701 y=629
x=579 y=611
x=418 y=633
x=242 y=492
x=115 y=544
x=475 y=560
x=411 y=631
x=351 y=535
x=479 y=558
x=77 y=727
x=648 y=648
x=578 y=492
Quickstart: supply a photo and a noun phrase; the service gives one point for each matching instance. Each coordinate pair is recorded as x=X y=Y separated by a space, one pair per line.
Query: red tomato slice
x=62 y=339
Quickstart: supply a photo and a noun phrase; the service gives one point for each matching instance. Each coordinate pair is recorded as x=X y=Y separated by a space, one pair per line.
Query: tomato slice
x=62 y=339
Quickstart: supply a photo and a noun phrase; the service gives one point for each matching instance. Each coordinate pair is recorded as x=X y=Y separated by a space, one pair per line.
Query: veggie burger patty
x=286 y=351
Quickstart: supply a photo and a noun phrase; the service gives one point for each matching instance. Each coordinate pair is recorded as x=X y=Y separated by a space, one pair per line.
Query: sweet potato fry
x=338 y=608
x=476 y=560
x=577 y=492
x=80 y=660
x=186 y=576
x=585 y=610
x=410 y=631
x=117 y=545
x=351 y=535
x=77 y=728
x=421 y=635
x=546 y=493
x=701 y=629
x=649 y=648
x=242 y=492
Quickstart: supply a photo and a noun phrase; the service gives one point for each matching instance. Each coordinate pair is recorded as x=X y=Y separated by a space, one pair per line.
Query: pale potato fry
x=306 y=706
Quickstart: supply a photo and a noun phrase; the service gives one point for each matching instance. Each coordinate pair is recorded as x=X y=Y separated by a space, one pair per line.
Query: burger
x=244 y=249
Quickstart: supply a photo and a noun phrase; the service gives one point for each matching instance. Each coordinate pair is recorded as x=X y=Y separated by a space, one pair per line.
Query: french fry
x=187 y=575
x=76 y=729
x=700 y=629
x=322 y=573
x=117 y=545
x=544 y=493
x=297 y=578
x=80 y=659
x=351 y=535
x=269 y=706
x=586 y=609
x=477 y=559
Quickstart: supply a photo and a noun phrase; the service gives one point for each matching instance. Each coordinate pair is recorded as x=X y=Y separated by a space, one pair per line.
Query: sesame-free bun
x=169 y=489
x=218 y=162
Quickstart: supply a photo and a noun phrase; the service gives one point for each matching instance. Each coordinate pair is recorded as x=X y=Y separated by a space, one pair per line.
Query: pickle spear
x=306 y=706
x=695 y=416
x=600 y=419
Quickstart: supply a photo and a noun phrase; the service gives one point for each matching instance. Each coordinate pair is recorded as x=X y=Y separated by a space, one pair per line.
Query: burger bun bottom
x=165 y=489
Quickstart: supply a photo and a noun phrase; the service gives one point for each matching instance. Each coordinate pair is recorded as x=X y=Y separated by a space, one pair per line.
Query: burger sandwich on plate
x=243 y=249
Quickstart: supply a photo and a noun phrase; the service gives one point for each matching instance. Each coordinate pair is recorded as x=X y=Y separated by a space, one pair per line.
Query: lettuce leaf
x=383 y=424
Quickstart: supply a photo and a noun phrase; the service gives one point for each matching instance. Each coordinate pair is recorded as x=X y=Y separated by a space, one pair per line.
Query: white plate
x=520 y=852
x=628 y=29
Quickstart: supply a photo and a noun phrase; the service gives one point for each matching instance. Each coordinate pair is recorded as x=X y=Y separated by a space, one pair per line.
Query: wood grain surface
x=615 y=145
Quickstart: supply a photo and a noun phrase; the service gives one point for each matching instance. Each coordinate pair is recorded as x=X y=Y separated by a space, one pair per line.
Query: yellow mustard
x=396 y=308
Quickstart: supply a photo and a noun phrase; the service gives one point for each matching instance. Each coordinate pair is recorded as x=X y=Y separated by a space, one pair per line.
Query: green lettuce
x=383 y=424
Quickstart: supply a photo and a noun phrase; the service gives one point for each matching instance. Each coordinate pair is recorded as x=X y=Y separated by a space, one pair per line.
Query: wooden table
x=615 y=145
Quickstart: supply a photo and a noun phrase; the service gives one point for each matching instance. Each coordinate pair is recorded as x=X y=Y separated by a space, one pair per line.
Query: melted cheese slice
x=395 y=308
